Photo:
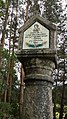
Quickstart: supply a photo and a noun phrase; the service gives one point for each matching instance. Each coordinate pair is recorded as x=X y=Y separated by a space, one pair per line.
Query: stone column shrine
x=37 y=53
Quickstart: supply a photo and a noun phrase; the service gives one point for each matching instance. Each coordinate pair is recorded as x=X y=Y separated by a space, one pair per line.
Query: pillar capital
x=39 y=69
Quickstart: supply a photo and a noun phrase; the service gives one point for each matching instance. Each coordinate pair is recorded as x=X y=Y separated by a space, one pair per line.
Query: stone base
x=37 y=100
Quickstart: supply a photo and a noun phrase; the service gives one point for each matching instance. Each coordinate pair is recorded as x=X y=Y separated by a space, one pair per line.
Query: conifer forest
x=13 y=15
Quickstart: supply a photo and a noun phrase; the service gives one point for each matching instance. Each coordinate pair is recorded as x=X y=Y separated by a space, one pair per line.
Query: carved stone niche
x=37 y=38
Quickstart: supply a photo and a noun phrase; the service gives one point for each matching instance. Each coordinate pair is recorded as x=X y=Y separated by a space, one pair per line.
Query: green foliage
x=10 y=110
x=58 y=91
x=5 y=109
x=5 y=53
x=1 y=13
x=52 y=8
x=1 y=3
x=57 y=96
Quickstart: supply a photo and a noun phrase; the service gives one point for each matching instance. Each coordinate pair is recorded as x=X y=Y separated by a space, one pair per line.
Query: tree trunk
x=11 y=61
x=5 y=92
x=5 y=23
x=63 y=90
x=62 y=101
x=4 y=31
x=54 y=109
x=3 y=40
x=27 y=7
x=21 y=91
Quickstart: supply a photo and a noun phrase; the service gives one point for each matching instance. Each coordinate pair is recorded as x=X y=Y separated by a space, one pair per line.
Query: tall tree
x=5 y=6
x=21 y=91
x=11 y=20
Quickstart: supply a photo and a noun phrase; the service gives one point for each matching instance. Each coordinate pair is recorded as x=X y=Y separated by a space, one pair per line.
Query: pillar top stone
x=37 y=38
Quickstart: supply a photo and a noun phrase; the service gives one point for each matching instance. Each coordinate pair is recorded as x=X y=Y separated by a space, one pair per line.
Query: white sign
x=35 y=37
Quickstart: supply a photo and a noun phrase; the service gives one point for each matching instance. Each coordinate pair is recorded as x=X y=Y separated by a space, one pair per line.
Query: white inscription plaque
x=35 y=37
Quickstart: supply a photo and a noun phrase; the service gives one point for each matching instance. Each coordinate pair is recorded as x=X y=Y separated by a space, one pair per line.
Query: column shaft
x=37 y=102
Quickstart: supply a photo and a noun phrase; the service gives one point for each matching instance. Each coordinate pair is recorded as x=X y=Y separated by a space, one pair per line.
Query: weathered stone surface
x=38 y=89
x=38 y=100
x=26 y=55
x=38 y=66
x=44 y=22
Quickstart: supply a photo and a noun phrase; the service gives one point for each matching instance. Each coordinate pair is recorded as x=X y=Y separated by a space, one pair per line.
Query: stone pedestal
x=37 y=103
x=36 y=52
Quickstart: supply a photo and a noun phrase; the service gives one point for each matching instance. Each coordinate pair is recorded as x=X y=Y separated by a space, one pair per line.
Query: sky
x=64 y=2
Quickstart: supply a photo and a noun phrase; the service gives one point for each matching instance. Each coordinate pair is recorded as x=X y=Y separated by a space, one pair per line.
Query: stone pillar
x=38 y=88
x=37 y=53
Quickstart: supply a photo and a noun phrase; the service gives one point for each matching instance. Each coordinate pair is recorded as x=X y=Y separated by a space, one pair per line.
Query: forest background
x=13 y=14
